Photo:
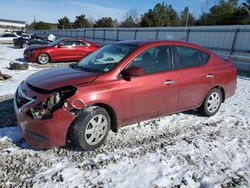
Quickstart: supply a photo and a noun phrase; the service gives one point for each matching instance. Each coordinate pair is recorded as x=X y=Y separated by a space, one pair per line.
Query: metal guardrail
x=226 y=41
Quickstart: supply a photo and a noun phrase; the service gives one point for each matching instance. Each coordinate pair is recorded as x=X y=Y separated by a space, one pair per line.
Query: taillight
x=234 y=70
x=228 y=60
x=231 y=66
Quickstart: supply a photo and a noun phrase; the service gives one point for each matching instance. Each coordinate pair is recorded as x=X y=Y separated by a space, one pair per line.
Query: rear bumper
x=16 y=42
x=231 y=85
x=44 y=133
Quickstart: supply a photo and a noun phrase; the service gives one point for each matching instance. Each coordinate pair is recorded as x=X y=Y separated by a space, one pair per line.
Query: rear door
x=154 y=93
x=82 y=49
x=196 y=76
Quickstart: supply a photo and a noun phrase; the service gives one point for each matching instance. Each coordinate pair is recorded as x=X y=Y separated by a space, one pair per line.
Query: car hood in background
x=58 y=77
x=37 y=46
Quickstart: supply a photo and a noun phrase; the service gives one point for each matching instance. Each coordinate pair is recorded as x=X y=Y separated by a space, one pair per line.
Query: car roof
x=72 y=39
x=143 y=42
x=158 y=42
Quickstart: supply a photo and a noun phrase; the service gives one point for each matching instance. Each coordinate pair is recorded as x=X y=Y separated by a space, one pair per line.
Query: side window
x=154 y=60
x=84 y=43
x=4 y=35
x=190 y=57
x=79 y=43
x=67 y=43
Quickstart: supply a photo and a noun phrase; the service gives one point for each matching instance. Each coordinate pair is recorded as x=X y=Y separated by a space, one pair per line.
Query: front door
x=154 y=93
x=66 y=50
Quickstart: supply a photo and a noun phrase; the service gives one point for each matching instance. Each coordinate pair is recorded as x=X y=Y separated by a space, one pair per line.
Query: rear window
x=12 y=35
x=4 y=35
x=190 y=57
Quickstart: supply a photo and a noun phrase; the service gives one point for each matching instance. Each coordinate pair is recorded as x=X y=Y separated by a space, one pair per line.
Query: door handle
x=169 y=82
x=210 y=76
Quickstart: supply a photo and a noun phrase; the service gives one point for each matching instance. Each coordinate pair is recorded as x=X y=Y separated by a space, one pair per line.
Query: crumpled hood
x=58 y=77
x=36 y=46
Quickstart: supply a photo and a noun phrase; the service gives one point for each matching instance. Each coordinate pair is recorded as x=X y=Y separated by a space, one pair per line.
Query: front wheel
x=43 y=58
x=91 y=128
x=212 y=102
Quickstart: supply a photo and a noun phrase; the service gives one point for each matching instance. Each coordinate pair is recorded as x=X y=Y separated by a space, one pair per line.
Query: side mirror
x=59 y=45
x=133 y=71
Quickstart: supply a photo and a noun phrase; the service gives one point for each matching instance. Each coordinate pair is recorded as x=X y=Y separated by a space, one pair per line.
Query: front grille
x=27 y=52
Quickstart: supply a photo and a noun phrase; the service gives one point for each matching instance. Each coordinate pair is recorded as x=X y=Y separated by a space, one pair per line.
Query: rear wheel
x=212 y=102
x=91 y=128
x=43 y=58
x=25 y=45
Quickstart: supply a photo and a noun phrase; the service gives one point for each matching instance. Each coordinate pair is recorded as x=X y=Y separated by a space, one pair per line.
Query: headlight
x=45 y=109
x=28 y=52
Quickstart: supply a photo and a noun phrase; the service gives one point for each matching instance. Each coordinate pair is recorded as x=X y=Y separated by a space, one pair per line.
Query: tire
x=25 y=45
x=87 y=122
x=18 y=66
x=43 y=58
x=211 y=103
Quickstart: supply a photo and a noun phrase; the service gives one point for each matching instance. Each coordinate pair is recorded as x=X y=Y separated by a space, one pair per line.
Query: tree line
x=225 y=12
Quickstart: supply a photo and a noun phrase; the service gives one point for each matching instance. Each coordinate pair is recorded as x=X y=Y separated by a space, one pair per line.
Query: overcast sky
x=52 y=10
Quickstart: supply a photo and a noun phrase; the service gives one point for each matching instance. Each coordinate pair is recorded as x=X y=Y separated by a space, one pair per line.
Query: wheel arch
x=108 y=108
x=43 y=52
x=111 y=113
x=221 y=88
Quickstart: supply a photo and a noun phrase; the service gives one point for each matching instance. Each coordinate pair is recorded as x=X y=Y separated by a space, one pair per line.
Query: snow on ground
x=10 y=54
x=181 y=150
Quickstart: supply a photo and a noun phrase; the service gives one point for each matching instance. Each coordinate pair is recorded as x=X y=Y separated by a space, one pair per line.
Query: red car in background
x=117 y=85
x=60 y=50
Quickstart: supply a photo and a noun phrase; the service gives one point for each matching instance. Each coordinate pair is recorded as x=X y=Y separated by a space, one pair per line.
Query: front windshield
x=106 y=58
x=55 y=42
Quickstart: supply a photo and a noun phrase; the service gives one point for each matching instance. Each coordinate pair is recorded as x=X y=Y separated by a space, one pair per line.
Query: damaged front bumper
x=41 y=133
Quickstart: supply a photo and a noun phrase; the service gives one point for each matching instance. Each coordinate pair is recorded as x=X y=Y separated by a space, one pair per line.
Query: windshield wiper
x=76 y=66
x=82 y=68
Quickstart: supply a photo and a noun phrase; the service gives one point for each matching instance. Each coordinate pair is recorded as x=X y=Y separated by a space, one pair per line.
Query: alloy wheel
x=43 y=58
x=213 y=102
x=96 y=129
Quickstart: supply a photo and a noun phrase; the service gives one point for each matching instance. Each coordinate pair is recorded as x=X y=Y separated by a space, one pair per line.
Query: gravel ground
x=7 y=113
x=181 y=150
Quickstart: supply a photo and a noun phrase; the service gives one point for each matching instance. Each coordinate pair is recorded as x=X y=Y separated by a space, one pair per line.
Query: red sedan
x=59 y=50
x=117 y=85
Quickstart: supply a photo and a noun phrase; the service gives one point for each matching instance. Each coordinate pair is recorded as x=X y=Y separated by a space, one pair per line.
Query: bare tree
x=131 y=19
